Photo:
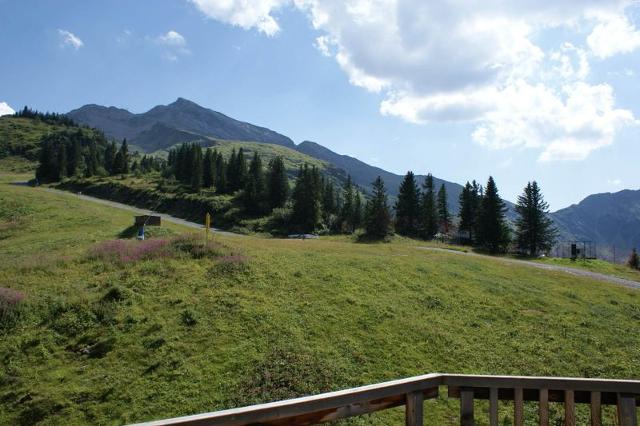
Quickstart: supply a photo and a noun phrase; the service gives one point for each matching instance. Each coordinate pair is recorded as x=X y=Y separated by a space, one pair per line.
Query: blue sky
x=542 y=90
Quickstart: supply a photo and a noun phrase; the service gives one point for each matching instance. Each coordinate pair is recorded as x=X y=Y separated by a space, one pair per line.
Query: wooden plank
x=559 y=383
x=414 y=409
x=543 y=407
x=466 y=407
x=569 y=409
x=627 y=410
x=518 y=407
x=596 y=409
x=493 y=407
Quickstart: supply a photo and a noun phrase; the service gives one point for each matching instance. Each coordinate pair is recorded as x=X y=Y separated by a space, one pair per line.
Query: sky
x=528 y=90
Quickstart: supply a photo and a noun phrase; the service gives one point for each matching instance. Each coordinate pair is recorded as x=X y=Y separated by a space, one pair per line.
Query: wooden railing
x=413 y=391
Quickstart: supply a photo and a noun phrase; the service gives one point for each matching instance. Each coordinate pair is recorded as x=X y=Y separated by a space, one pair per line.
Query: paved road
x=117 y=205
x=565 y=269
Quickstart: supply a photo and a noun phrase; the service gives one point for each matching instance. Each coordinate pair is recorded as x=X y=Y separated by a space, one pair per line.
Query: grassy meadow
x=101 y=340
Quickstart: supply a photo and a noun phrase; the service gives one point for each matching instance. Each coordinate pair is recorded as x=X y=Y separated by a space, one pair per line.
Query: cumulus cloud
x=612 y=36
x=476 y=62
x=246 y=14
x=174 y=45
x=5 y=109
x=67 y=38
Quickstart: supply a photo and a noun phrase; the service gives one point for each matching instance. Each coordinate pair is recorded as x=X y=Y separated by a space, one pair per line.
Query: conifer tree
x=428 y=210
x=357 y=216
x=444 y=218
x=468 y=210
x=493 y=232
x=221 y=174
x=348 y=204
x=109 y=157
x=255 y=188
x=377 y=220
x=277 y=183
x=92 y=160
x=74 y=156
x=634 y=259
x=196 y=169
x=62 y=161
x=232 y=173
x=407 y=206
x=209 y=168
x=535 y=231
x=307 y=199
x=328 y=198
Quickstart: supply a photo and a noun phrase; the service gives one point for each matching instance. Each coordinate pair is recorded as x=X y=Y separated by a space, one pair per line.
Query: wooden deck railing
x=413 y=391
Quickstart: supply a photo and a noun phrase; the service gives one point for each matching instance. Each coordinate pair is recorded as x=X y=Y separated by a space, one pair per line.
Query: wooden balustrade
x=412 y=392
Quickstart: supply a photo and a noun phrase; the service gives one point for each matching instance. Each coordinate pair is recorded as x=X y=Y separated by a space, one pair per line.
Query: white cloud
x=67 y=38
x=614 y=182
x=613 y=35
x=476 y=62
x=175 y=45
x=5 y=109
x=246 y=14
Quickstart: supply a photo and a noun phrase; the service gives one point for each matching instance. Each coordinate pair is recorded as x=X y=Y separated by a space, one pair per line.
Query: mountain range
x=608 y=219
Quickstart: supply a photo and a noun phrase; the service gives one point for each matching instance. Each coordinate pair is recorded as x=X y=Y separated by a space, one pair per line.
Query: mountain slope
x=364 y=174
x=609 y=219
x=182 y=115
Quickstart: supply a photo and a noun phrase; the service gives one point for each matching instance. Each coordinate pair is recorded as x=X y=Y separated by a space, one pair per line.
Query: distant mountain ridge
x=187 y=121
x=609 y=219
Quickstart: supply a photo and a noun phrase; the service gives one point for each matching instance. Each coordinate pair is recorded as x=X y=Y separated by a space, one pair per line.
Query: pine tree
x=74 y=156
x=196 y=169
x=92 y=160
x=407 y=206
x=109 y=157
x=124 y=149
x=493 y=232
x=535 y=231
x=377 y=220
x=468 y=210
x=277 y=183
x=357 y=216
x=221 y=174
x=348 y=204
x=255 y=188
x=209 y=169
x=444 y=218
x=232 y=173
x=428 y=210
x=307 y=200
x=62 y=161
x=634 y=259
x=328 y=198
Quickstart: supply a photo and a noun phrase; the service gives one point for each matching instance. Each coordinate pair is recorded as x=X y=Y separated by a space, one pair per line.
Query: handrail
x=412 y=391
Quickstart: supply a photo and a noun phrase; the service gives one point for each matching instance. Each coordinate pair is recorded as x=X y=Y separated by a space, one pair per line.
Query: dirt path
x=565 y=269
x=117 y=205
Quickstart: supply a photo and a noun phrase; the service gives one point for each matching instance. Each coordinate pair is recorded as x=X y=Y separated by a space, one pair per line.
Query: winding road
x=566 y=269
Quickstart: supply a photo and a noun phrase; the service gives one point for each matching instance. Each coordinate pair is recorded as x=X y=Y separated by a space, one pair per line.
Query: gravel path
x=565 y=269
x=117 y=205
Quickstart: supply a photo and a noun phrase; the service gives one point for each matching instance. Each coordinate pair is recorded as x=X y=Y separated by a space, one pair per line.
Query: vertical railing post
x=466 y=407
x=627 y=410
x=518 y=407
x=569 y=408
x=493 y=407
x=543 y=407
x=596 y=409
x=414 y=409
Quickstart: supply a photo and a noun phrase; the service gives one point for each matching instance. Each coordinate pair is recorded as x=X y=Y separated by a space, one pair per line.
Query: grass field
x=595 y=265
x=181 y=335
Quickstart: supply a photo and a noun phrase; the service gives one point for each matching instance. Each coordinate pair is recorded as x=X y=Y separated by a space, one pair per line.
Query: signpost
x=207 y=226
x=142 y=221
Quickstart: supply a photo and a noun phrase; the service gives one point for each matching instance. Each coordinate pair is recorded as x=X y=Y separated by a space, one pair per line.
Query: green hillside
x=21 y=136
x=95 y=341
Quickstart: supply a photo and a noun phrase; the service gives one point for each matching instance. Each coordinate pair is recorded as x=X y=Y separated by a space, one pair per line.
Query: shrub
x=231 y=264
x=188 y=318
x=634 y=260
x=196 y=247
x=10 y=303
x=125 y=251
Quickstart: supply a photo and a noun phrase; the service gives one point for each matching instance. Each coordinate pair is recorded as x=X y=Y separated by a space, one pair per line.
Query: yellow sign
x=207 y=225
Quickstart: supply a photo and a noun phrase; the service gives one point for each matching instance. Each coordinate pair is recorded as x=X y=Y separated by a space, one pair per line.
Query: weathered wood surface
x=412 y=392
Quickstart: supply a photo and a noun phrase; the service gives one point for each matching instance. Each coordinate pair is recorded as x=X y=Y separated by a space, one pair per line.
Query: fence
x=412 y=392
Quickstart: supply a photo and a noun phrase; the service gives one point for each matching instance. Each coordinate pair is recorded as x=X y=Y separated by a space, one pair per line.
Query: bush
x=125 y=251
x=188 y=318
x=10 y=305
x=231 y=264
x=634 y=260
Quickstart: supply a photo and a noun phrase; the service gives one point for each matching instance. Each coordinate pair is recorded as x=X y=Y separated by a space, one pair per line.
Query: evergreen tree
x=357 y=216
x=469 y=210
x=92 y=160
x=209 y=168
x=109 y=157
x=535 y=231
x=348 y=204
x=255 y=188
x=277 y=183
x=328 y=198
x=634 y=259
x=121 y=160
x=444 y=217
x=377 y=220
x=74 y=156
x=232 y=173
x=428 y=210
x=221 y=174
x=62 y=161
x=493 y=232
x=196 y=169
x=407 y=206
x=307 y=200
